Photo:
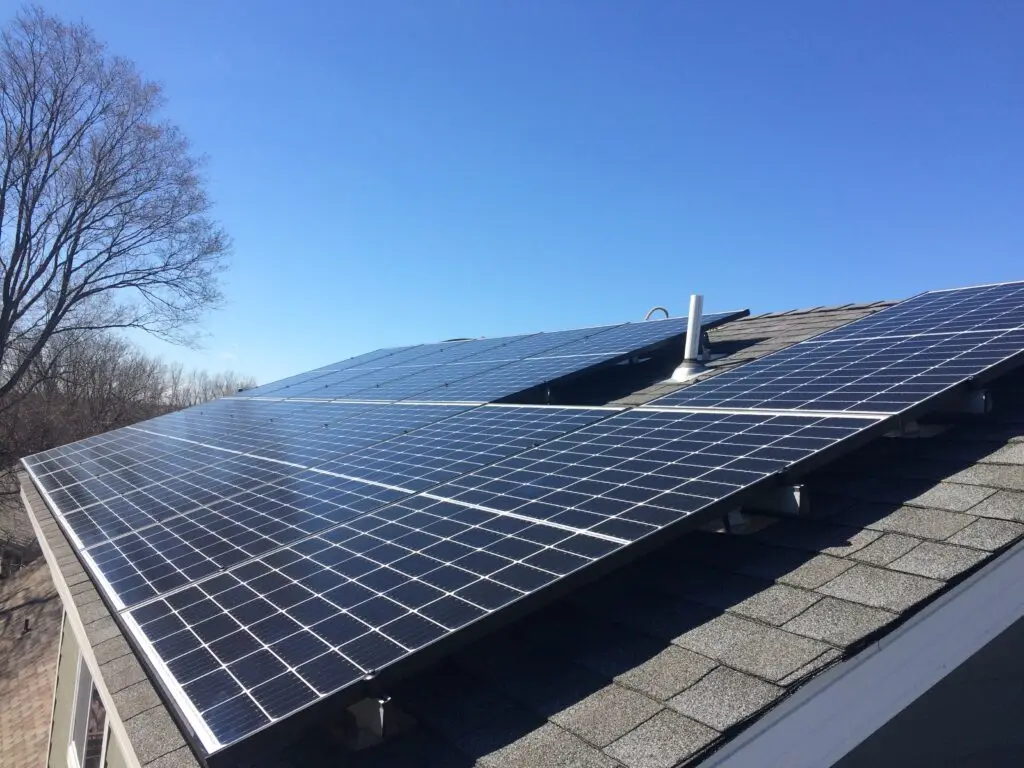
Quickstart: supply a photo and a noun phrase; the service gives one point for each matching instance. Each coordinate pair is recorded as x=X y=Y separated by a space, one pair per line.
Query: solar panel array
x=480 y=370
x=267 y=552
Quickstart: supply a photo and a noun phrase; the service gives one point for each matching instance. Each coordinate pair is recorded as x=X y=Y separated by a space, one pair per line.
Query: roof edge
x=834 y=713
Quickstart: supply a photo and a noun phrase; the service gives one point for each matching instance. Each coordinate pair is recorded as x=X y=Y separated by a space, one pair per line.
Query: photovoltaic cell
x=227 y=530
x=509 y=379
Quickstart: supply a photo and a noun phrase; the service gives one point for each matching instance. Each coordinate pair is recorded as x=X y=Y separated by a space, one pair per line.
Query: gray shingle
x=880 y=588
x=1008 y=454
x=1004 y=505
x=111 y=649
x=102 y=629
x=121 y=672
x=603 y=717
x=92 y=612
x=548 y=745
x=179 y=758
x=923 y=523
x=816 y=571
x=751 y=647
x=836 y=540
x=1005 y=476
x=724 y=698
x=152 y=734
x=777 y=604
x=135 y=699
x=667 y=673
x=938 y=561
x=838 y=622
x=811 y=668
x=954 y=497
x=988 y=534
x=884 y=550
x=662 y=741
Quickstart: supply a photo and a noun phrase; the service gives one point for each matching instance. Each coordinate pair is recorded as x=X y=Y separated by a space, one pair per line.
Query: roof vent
x=694 y=356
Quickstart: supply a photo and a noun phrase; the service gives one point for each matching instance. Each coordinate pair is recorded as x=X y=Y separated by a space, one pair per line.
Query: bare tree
x=103 y=215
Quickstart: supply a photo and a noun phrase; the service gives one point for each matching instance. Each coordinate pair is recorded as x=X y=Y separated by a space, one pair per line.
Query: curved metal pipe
x=656 y=309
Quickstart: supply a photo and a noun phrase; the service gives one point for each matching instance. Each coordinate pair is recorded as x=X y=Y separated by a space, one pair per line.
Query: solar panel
x=341 y=365
x=987 y=308
x=643 y=469
x=300 y=434
x=484 y=370
x=885 y=363
x=446 y=449
x=258 y=642
x=168 y=519
x=255 y=643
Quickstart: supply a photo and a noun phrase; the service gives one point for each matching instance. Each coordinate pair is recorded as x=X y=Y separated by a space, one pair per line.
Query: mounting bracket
x=788 y=500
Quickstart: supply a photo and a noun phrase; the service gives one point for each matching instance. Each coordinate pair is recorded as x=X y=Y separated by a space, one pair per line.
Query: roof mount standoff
x=694 y=356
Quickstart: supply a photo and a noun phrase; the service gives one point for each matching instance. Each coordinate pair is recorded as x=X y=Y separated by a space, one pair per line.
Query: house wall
x=971 y=718
x=64 y=696
x=73 y=652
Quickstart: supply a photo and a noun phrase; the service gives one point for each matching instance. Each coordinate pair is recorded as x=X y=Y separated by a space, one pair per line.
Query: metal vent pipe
x=693 y=328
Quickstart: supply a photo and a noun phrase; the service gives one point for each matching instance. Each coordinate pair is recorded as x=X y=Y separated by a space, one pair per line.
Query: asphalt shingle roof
x=665 y=659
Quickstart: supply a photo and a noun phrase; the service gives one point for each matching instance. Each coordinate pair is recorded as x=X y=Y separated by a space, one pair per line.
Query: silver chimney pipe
x=693 y=328
x=693 y=363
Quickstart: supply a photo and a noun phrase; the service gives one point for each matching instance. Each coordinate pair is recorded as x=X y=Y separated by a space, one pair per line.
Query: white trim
x=85 y=649
x=72 y=755
x=969 y=287
x=534 y=520
x=836 y=712
x=56 y=679
x=885 y=337
x=876 y=415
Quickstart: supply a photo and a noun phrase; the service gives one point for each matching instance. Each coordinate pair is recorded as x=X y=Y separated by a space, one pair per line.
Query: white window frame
x=76 y=753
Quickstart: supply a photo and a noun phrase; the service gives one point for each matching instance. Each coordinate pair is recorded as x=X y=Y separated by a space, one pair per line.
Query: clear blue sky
x=402 y=172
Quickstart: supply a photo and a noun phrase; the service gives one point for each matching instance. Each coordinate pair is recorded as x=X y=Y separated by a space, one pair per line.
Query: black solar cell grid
x=987 y=308
x=341 y=365
x=300 y=433
x=876 y=374
x=446 y=449
x=483 y=370
x=509 y=379
x=259 y=641
x=641 y=470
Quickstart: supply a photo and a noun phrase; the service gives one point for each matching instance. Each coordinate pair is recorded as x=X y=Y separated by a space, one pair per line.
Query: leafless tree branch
x=104 y=220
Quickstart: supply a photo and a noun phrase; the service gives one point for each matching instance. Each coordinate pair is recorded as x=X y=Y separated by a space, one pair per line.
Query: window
x=89 y=723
